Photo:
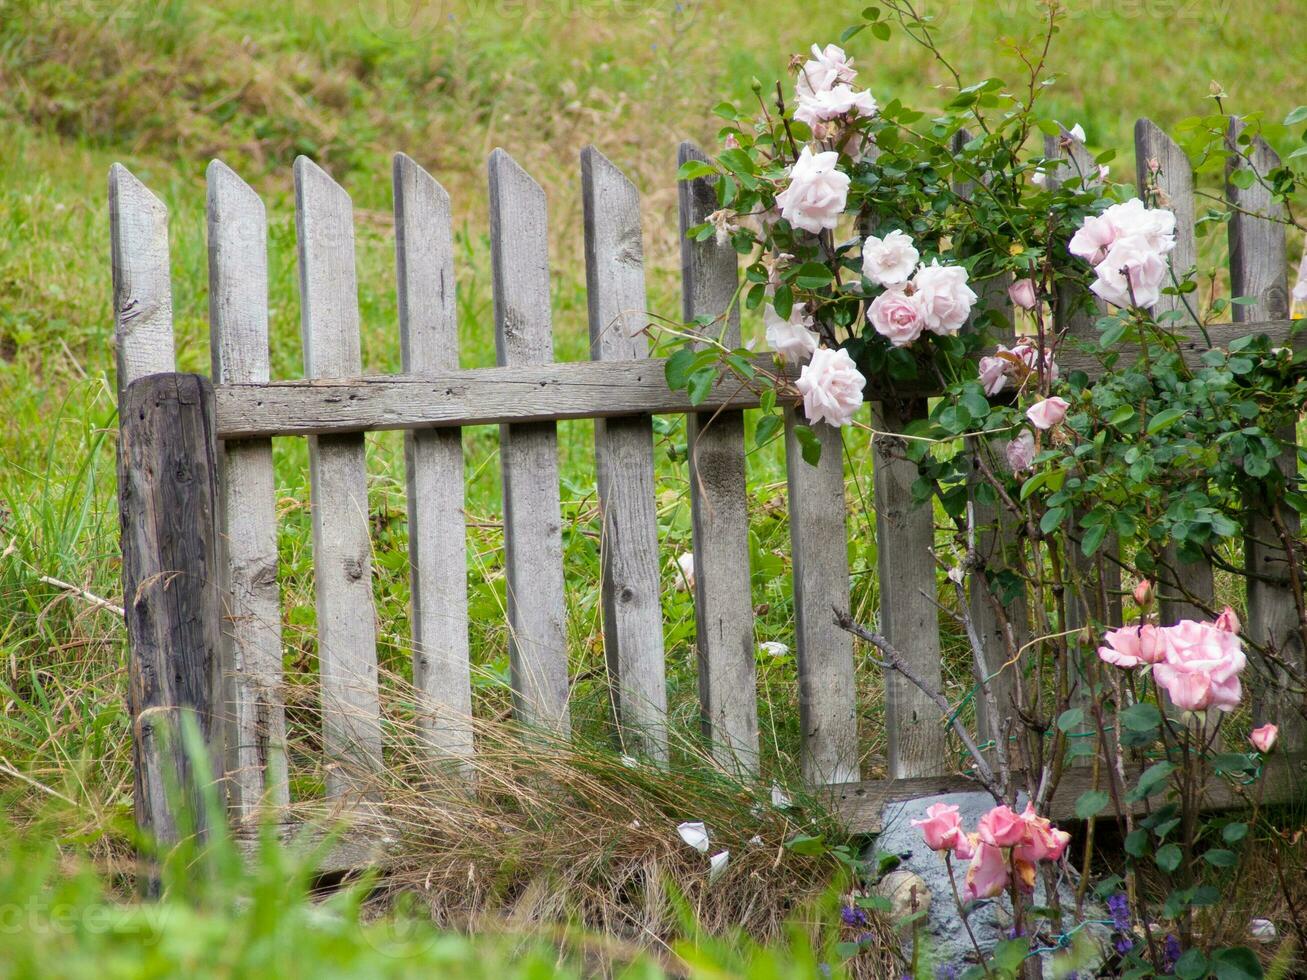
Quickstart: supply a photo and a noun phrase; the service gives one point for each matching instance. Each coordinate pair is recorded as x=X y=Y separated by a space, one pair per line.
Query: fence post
x=167 y=493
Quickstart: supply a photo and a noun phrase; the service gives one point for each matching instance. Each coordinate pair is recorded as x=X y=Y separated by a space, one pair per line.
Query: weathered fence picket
x=533 y=525
x=433 y=463
x=254 y=718
x=222 y=659
x=624 y=462
x=342 y=547
x=1259 y=272
x=723 y=601
x=1163 y=170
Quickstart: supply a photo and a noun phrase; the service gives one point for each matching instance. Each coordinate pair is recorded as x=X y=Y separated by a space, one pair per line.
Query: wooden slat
x=1075 y=320
x=253 y=715
x=819 y=546
x=1174 y=183
x=723 y=603
x=142 y=290
x=996 y=530
x=860 y=806
x=1259 y=271
x=433 y=458
x=167 y=493
x=909 y=618
x=537 y=611
x=342 y=550
x=631 y=586
x=544 y=393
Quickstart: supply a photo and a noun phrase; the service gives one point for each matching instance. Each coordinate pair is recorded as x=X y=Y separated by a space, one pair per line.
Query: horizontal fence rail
x=526 y=394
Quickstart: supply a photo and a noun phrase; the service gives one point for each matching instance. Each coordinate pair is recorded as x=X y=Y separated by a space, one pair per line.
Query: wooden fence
x=197 y=490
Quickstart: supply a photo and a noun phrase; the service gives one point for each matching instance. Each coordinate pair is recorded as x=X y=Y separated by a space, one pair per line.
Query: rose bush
x=977 y=251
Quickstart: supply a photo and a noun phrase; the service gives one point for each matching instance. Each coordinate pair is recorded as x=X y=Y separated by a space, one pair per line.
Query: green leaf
x=1237 y=963
x=767 y=428
x=880 y=30
x=1192 y=965
x=700 y=384
x=1009 y=955
x=1051 y=519
x=1093 y=539
x=812 y=275
x=1151 y=780
x=809 y=845
x=1164 y=418
x=1136 y=843
x=1070 y=719
x=1141 y=717
x=1090 y=804
x=1219 y=857
x=1296 y=116
x=692 y=169
x=1121 y=416
x=809 y=444
x=1168 y=857
x=678 y=368
x=1232 y=833
x=738 y=161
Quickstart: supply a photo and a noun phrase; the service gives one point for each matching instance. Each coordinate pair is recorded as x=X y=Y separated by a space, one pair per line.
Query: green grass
x=164 y=86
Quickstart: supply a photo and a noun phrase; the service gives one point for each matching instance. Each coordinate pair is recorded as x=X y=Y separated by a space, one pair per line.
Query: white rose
x=829 y=67
x=889 y=261
x=897 y=316
x=834 y=103
x=944 y=295
x=816 y=194
x=792 y=339
x=1129 y=220
x=831 y=386
x=1131 y=274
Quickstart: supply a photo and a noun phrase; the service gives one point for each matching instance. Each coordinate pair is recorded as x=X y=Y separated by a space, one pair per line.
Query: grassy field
x=165 y=86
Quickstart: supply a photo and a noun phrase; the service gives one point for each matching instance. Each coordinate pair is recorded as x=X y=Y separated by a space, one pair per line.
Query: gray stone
x=944 y=935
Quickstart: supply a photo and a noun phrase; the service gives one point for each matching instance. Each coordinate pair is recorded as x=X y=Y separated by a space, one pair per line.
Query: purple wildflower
x=854 y=917
x=1124 y=945
x=1170 y=953
x=947 y=972
x=1119 y=906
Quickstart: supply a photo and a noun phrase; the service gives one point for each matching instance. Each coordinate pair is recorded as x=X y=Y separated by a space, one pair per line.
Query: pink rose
x=1228 y=621
x=1144 y=594
x=889 y=261
x=1027 y=352
x=1155 y=227
x=1001 y=827
x=1263 y=738
x=897 y=316
x=945 y=297
x=828 y=67
x=1131 y=646
x=1021 y=452
x=993 y=374
x=987 y=875
x=792 y=338
x=1131 y=274
x=1043 y=841
x=831 y=386
x=941 y=828
x=834 y=103
x=964 y=848
x=1047 y=413
x=1201 y=666
x=815 y=197
x=1022 y=293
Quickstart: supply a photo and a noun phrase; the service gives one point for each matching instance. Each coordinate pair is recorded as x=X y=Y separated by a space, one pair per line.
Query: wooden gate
x=197 y=491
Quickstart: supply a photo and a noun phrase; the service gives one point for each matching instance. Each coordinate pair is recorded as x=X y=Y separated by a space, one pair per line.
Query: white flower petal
x=717 y=865
x=695 y=834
